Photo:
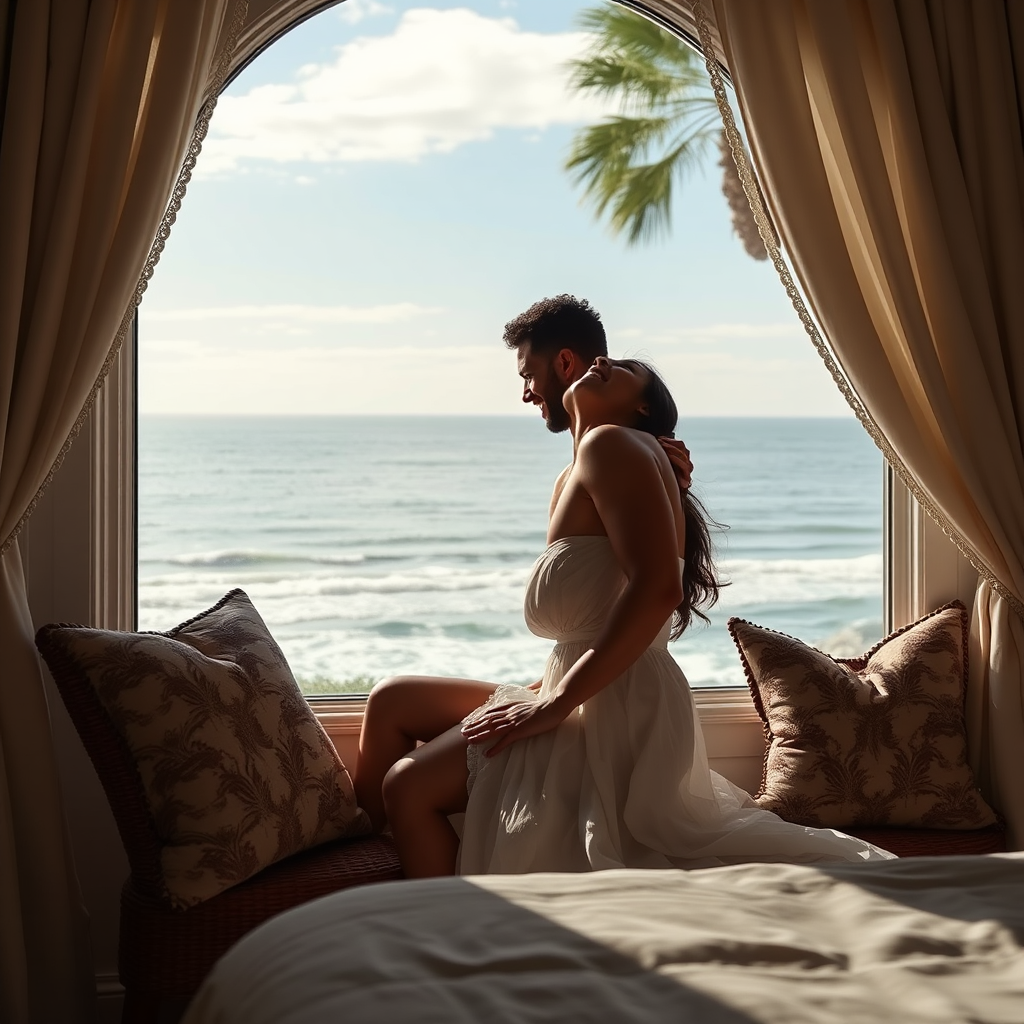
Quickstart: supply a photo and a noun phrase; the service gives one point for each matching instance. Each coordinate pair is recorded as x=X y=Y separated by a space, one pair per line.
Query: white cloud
x=386 y=314
x=354 y=11
x=441 y=79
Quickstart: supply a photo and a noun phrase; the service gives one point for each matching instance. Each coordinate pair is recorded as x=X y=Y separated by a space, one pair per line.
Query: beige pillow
x=870 y=741
x=235 y=770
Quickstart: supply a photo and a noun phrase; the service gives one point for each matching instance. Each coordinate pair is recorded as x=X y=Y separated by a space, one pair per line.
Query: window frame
x=922 y=569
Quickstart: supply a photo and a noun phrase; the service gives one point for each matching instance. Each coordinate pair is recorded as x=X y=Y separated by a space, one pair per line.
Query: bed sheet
x=919 y=941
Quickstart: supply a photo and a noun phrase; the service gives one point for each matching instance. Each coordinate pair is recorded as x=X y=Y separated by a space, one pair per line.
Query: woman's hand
x=513 y=722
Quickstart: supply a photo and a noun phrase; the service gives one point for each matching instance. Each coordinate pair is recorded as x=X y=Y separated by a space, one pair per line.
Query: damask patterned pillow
x=235 y=771
x=872 y=741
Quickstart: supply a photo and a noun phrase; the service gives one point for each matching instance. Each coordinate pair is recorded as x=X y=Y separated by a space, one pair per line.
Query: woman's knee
x=431 y=778
x=402 y=786
x=389 y=689
x=422 y=707
x=389 y=699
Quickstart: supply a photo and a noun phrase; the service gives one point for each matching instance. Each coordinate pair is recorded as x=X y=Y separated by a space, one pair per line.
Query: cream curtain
x=99 y=102
x=888 y=134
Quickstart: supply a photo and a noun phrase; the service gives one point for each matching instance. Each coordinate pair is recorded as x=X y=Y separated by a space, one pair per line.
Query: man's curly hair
x=561 y=322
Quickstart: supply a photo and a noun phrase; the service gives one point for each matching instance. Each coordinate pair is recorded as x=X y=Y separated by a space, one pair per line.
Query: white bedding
x=936 y=940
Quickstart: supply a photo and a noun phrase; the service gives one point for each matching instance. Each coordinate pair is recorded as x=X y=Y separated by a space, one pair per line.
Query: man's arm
x=679 y=455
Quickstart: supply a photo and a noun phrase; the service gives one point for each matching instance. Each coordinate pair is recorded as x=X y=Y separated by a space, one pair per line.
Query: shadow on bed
x=969 y=889
x=405 y=956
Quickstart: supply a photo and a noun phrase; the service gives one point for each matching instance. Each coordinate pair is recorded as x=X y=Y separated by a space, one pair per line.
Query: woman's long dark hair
x=700 y=576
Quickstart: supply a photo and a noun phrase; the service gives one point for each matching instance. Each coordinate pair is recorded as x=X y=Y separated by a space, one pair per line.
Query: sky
x=383 y=189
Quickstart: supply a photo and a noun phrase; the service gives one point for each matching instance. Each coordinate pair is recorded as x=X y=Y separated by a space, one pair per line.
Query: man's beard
x=557 y=419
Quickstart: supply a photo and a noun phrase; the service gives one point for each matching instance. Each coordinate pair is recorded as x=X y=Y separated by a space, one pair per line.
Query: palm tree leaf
x=615 y=28
x=635 y=58
x=604 y=155
x=627 y=164
x=640 y=83
x=642 y=206
x=619 y=140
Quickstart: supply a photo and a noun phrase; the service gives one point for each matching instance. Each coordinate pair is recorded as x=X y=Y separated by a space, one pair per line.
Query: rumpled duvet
x=918 y=941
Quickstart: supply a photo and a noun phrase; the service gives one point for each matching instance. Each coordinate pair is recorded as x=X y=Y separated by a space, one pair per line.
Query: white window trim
x=79 y=547
x=922 y=568
x=342 y=715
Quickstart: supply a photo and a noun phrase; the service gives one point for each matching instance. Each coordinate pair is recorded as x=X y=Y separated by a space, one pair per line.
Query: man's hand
x=679 y=455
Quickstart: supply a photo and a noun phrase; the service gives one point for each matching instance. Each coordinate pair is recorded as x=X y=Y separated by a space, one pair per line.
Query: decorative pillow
x=869 y=741
x=235 y=771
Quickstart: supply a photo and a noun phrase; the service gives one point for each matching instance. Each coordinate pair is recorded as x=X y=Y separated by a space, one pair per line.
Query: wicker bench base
x=935 y=842
x=165 y=954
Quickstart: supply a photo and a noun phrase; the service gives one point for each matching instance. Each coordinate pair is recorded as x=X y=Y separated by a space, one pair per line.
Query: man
x=556 y=342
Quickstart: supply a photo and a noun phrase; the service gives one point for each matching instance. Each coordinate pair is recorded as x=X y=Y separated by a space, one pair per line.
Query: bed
x=936 y=940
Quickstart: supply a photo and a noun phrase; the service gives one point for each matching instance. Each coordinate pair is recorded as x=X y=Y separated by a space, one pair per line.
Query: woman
x=601 y=763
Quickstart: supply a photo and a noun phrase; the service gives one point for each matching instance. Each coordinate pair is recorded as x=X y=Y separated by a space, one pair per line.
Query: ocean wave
x=414 y=595
x=242 y=558
x=419 y=593
x=523 y=541
x=852 y=640
x=467 y=630
x=794 y=581
x=253 y=558
x=410 y=580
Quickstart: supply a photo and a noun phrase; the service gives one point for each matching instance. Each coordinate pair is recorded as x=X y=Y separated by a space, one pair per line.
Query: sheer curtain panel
x=99 y=101
x=888 y=135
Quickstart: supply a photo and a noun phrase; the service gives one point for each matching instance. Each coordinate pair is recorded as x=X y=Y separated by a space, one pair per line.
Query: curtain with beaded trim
x=99 y=101
x=888 y=135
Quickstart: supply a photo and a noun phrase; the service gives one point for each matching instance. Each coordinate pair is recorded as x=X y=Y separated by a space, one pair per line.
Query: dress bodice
x=572 y=587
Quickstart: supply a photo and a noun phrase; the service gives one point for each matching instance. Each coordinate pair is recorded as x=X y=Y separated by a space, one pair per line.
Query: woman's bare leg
x=420 y=791
x=402 y=711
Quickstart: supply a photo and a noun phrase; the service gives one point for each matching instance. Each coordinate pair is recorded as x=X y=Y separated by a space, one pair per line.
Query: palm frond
x=668 y=117
x=637 y=81
x=603 y=156
x=635 y=58
x=618 y=140
x=642 y=206
x=616 y=28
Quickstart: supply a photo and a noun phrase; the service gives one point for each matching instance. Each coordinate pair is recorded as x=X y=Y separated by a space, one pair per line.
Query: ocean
x=381 y=545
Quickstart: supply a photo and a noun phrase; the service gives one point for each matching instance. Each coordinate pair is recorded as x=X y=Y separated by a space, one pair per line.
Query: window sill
x=343 y=715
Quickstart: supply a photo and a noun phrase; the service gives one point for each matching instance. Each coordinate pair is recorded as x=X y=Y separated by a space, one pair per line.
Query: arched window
x=329 y=419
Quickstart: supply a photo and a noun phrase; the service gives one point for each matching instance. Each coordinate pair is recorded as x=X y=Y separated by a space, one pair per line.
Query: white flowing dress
x=624 y=781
